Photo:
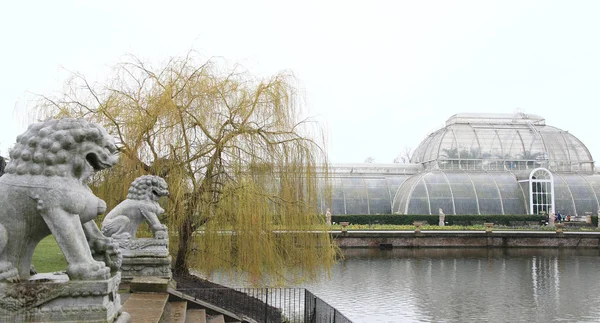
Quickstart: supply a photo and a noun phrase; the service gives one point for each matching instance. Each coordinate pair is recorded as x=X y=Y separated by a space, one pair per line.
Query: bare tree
x=404 y=157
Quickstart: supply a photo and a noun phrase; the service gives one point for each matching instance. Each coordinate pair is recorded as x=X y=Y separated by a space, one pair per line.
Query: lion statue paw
x=94 y=270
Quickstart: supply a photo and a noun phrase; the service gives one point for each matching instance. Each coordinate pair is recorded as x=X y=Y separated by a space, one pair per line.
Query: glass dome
x=502 y=142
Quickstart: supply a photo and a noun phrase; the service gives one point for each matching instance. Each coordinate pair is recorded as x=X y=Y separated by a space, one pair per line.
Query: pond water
x=464 y=285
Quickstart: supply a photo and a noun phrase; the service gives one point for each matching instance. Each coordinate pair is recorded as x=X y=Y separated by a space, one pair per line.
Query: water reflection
x=465 y=285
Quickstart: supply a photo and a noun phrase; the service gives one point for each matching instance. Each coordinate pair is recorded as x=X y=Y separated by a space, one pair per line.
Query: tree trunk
x=186 y=231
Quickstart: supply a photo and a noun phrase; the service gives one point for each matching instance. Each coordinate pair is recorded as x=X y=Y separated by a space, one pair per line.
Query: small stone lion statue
x=141 y=204
x=44 y=192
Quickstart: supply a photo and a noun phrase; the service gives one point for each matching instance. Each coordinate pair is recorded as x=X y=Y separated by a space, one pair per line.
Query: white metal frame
x=545 y=180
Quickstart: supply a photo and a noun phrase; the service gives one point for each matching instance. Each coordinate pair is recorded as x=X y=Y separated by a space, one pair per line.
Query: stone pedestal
x=145 y=257
x=418 y=225
x=55 y=298
x=344 y=226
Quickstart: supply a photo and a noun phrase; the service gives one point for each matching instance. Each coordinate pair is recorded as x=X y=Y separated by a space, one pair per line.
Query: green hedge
x=397 y=219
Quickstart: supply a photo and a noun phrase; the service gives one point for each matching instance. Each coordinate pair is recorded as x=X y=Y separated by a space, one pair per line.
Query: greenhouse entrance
x=541 y=192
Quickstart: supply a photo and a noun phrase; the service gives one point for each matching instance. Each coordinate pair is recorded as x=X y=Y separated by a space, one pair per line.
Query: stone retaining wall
x=407 y=239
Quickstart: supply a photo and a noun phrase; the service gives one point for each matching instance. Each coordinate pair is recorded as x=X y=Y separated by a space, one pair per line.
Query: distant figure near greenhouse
x=478 y=164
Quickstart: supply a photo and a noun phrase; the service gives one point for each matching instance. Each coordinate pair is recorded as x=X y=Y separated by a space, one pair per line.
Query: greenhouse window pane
x=418 y=206
x=379 y=206
x=444 y=204
x=490 y=206
x=465 y=206
x=356 y=206
x=337 y=206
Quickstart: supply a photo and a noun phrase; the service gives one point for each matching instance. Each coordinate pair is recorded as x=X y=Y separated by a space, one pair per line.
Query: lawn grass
x=48 y=257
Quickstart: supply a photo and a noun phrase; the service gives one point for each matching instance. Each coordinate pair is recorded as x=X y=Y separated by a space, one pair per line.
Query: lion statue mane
x=44 y=192
x=141 y=204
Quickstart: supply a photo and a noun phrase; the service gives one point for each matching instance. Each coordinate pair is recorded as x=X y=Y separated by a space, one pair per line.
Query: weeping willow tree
x=242 y=168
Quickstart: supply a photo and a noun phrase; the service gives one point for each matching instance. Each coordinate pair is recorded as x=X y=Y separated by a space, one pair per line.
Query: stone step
x=149 y=284
x=175 y=312
x=195 y=316
x=216 y=319
x=145 y=307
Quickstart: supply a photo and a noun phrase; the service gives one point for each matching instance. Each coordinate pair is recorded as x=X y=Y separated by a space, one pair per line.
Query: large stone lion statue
x=141 y=204
x=44 y=192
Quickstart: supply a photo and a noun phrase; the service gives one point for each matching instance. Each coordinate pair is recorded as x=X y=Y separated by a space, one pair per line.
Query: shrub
x=408 y=219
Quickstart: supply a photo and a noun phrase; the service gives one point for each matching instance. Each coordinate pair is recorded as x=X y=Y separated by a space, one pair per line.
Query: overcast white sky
x=380 y=74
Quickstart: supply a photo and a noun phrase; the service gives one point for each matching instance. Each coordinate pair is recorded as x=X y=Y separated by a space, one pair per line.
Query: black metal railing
x=317 y=311
x=270 y=305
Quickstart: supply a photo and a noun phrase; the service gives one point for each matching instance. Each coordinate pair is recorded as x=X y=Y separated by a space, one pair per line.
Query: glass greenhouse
x=477 y=164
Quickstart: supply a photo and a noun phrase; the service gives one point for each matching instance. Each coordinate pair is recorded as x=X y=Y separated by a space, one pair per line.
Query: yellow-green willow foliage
x=241 y=169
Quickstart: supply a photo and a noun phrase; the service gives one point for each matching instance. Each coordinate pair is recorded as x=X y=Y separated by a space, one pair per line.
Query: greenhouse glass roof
x=502 y=142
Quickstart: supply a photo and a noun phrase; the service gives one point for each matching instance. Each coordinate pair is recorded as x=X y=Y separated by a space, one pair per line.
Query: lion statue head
x=64 y=147
x=148 y=187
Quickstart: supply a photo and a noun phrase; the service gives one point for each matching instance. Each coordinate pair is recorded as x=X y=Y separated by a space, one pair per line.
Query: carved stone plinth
x=55 y=298
x=145 y=257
